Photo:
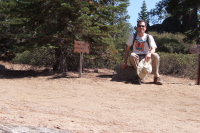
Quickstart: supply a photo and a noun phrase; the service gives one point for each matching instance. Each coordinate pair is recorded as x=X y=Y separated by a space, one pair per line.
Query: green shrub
x=36 y=57
x=184 y=65
x=171 y=43
x=105 y=61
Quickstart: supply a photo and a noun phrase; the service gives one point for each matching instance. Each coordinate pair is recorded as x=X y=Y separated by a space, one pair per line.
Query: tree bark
x=190 y=20
x=61 y=60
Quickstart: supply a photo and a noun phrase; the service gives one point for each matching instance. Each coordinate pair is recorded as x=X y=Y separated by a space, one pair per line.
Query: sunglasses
x=141 y=26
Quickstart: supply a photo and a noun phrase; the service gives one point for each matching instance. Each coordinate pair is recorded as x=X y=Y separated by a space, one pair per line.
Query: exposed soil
x=95 y=103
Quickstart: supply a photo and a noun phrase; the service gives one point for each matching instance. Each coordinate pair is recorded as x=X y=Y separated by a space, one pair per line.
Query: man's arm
x=126 y=54
x=151 y=51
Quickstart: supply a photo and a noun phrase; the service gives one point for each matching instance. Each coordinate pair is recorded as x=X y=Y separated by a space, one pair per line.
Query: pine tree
x=144 y=14
x=186 y=11
x=6 y=28
x=159 y=13
x=59 y=22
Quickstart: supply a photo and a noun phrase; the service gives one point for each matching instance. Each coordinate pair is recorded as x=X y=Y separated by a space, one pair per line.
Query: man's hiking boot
x=157 y=81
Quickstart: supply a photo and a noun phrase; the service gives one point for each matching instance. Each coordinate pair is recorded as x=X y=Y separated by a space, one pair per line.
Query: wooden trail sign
x=81 y=47
x=196 y=50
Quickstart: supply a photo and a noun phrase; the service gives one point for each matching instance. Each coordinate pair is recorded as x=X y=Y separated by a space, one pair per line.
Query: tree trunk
x=61 y=60
x=190 y=20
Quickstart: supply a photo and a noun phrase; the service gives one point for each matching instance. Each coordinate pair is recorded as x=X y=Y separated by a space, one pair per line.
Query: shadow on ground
x=12 y=74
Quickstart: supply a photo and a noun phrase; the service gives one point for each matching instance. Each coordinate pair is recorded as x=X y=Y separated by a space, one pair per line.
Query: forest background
x=42 y=33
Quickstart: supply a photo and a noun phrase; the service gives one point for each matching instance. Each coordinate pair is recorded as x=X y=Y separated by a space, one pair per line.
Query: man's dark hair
x=142 y=21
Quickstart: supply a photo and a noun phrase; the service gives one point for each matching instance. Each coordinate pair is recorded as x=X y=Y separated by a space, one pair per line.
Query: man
x=144 y=47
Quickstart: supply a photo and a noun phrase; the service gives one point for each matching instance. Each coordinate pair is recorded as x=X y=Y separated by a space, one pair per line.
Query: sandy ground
x=96 y=104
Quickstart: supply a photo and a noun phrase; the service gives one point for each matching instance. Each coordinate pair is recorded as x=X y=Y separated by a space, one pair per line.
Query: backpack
x=135 y=35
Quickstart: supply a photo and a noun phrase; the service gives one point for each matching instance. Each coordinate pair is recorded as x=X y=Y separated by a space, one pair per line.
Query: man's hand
x=123 y=66
x=148 y=57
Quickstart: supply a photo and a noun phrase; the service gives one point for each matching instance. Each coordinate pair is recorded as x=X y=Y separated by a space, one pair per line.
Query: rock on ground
x=127 y=74
x=23 y=129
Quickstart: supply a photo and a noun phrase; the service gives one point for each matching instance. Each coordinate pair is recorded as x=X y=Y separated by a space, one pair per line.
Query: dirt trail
x=96 y=104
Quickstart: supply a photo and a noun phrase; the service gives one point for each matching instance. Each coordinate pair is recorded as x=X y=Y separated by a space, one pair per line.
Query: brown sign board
x=81 y=47
x=195 y=50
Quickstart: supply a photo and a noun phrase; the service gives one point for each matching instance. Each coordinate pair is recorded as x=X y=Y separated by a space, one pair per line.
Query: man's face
x=141 y=28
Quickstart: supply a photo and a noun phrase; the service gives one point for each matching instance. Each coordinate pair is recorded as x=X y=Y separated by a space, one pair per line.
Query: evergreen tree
x=144 y=14
x=184 y=10
x=159 y=13
x=6 y=29
x=59 y=22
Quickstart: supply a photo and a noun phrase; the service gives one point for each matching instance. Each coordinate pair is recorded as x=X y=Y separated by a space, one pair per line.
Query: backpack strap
x=148 y=40
x=135 y=35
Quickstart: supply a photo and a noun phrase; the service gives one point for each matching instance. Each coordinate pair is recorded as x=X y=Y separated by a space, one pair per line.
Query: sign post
x=81 y=65
x=196 y=50
x=198 y=74
x=81 y=47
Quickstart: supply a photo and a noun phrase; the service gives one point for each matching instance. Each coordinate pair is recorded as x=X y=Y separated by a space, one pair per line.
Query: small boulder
x=127 y=74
